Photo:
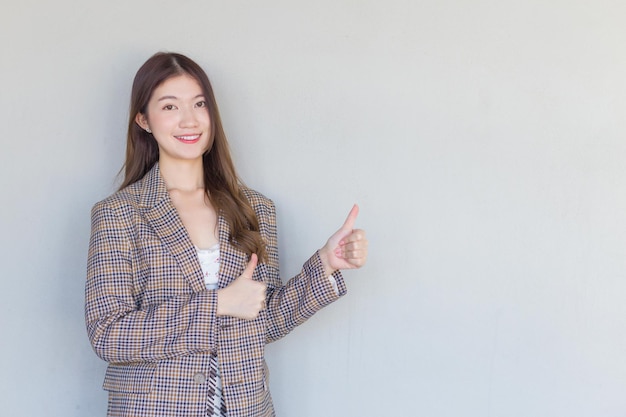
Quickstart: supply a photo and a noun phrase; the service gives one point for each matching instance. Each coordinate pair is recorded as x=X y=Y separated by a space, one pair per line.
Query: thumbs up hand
x=244 y=297
x=347 y=248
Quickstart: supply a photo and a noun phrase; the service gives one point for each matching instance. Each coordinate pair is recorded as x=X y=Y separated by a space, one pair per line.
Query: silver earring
x=148 y=130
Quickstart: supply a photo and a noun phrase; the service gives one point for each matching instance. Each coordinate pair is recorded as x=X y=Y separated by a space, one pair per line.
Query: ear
x=142 y=121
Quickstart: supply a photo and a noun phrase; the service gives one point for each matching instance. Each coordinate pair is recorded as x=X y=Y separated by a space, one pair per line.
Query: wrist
x=219 y=311
x=325 y=259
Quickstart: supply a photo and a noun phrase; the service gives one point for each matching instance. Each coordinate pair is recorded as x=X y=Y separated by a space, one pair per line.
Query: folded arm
x=119 y=328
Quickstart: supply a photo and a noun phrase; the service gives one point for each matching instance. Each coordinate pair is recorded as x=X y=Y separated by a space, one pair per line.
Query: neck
x=182 y=175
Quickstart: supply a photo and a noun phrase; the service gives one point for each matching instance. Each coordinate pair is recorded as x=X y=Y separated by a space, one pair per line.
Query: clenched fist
x=347 y=248
x=244 y=298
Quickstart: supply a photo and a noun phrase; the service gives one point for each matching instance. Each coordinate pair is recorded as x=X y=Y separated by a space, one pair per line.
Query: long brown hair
x=221 y=182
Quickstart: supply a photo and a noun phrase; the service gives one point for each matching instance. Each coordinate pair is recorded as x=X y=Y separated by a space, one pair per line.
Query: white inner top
x=210 y=264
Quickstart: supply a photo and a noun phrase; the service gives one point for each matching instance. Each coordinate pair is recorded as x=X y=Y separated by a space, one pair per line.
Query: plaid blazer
x=149 y=314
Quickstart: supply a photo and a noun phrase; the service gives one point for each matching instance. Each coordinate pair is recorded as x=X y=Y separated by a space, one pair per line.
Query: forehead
x=180 y=87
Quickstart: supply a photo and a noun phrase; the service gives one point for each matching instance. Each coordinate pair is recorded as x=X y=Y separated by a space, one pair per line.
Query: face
x=178 y=117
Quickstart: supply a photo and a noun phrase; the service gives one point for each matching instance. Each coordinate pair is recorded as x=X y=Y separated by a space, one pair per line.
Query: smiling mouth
x=189 y=138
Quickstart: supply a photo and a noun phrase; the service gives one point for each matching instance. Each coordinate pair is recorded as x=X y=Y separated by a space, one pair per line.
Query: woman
x=183 y=289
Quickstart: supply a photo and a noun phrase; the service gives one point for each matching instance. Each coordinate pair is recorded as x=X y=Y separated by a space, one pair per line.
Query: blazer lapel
x=167 y=225
x=232 y=259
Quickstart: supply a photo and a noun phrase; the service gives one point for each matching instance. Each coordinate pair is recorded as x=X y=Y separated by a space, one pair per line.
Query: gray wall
x=484 y=141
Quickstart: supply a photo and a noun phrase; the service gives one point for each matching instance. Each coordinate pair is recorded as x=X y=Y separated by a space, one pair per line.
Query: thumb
x=348 y=225
x=247 y=273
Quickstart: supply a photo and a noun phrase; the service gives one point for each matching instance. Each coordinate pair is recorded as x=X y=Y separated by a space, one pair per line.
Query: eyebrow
x=176 y=98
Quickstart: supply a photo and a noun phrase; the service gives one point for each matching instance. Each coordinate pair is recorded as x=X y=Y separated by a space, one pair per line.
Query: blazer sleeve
x=122 y=331
x=291 y=304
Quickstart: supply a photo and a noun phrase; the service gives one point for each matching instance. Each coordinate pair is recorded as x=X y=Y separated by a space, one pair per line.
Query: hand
x=347 y=248
x=244 y=298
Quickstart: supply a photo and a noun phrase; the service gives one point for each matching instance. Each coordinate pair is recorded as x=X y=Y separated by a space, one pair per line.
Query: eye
x=201 y=104
x=169 y=107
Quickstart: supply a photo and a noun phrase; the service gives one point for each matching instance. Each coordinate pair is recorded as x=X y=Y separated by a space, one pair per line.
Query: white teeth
x=191 y=137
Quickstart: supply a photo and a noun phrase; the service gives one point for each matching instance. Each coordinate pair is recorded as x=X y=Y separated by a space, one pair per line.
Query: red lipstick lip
x=190 y=138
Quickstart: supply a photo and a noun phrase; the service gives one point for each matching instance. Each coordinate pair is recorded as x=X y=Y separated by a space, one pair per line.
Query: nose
x=188 y=118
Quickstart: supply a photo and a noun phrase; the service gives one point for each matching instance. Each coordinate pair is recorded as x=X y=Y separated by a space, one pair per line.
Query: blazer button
x=199 y=378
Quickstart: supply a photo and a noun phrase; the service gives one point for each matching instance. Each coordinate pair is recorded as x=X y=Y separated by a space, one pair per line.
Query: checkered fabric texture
x=149 y=314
